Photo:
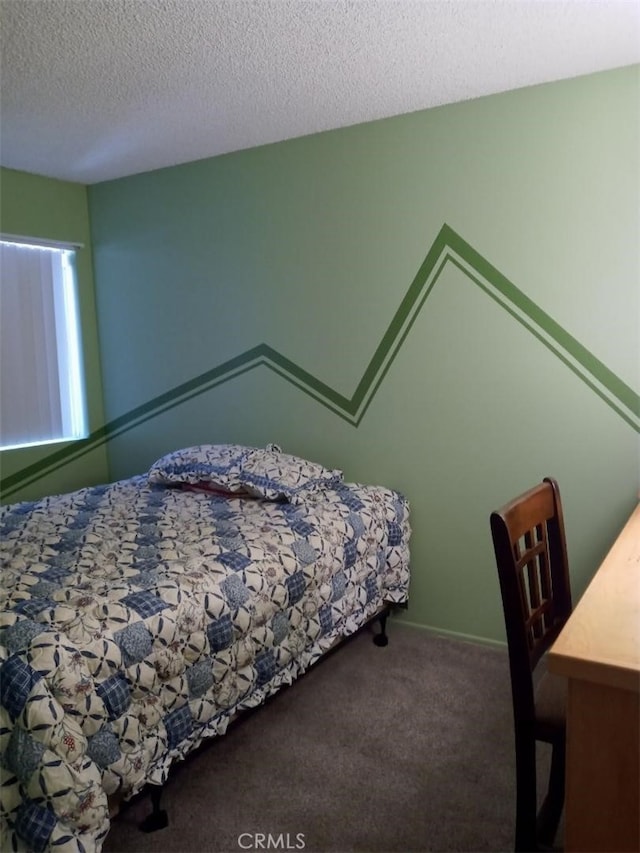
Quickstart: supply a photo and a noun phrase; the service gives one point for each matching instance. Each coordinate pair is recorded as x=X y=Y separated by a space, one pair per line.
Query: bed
x=138 y=618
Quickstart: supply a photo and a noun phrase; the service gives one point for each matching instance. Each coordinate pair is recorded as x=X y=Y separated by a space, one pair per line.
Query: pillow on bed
x=276 y=476
x=215 y=465
x=268 y=473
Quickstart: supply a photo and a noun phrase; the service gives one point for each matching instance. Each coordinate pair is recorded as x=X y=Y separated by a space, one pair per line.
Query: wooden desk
x=599 y=652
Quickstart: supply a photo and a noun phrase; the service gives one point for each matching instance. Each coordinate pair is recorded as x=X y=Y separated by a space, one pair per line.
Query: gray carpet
x=402 y=748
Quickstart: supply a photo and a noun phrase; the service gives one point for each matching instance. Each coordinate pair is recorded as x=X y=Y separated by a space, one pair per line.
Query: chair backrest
x=531 y=557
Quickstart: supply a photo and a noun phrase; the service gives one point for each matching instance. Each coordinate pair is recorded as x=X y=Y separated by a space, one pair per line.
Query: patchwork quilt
x=138 y=617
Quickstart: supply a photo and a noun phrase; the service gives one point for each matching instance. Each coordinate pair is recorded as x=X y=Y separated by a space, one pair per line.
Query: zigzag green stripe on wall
x=448 y=247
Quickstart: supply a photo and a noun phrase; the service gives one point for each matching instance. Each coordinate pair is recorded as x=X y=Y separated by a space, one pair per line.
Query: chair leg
x=551 y=809
x=525 y=793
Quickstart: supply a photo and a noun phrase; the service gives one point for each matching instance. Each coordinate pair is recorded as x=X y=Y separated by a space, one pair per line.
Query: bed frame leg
x=381 y=639
x=158 y=819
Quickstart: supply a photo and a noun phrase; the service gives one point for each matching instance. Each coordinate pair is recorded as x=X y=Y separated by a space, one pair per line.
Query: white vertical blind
x=41 y=382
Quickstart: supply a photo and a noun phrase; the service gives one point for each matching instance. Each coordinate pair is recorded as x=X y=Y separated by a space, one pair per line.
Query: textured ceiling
x=98 y=89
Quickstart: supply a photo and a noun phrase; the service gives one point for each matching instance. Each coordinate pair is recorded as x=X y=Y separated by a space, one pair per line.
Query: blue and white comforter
x=137 y=619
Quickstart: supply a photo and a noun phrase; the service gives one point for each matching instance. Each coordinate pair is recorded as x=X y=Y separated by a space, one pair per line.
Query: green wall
x=306 y=293
x=34 y=206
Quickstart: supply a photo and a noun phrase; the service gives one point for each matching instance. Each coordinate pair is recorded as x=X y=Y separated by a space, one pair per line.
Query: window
x=41 y=377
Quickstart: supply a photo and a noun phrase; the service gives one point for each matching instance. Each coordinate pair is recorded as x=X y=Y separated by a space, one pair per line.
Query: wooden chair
x=531 y=556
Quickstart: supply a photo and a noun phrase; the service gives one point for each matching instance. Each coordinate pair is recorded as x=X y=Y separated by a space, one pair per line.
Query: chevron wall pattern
x=448 y=247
